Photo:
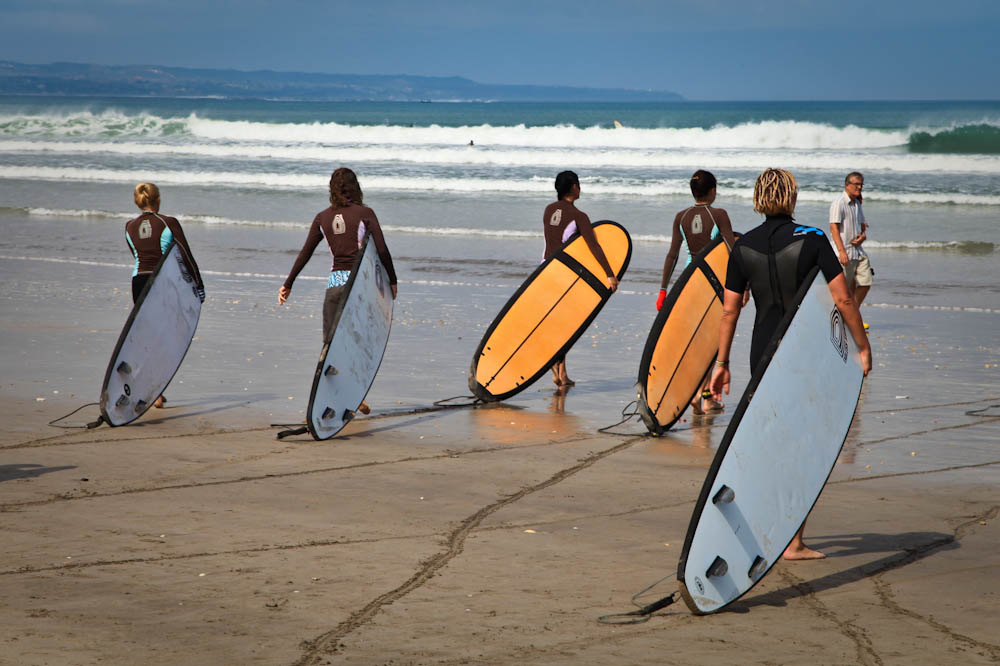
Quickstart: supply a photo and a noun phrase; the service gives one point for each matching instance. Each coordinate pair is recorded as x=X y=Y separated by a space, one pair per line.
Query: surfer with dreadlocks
x=343 y=224
x=774 y=260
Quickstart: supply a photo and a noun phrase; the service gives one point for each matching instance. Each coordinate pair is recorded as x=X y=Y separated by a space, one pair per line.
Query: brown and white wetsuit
x=344 y=229
x=148 y=237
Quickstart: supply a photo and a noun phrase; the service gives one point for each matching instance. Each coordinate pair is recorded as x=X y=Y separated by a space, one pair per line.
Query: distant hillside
x=153 y=81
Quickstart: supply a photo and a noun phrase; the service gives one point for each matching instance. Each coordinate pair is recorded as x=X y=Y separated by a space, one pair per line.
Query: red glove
x=659 y=299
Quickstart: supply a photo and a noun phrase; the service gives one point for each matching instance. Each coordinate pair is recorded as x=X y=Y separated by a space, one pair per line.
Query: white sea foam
x=607 y=186
x=531 y=157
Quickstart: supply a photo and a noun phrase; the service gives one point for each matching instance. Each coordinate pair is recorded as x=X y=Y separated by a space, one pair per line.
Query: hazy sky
x=704 y=49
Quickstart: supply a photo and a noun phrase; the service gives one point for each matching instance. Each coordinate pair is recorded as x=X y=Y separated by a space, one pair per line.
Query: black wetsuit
x=796 y=249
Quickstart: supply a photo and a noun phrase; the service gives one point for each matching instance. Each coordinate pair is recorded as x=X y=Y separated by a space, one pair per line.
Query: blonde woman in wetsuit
x=698 y=226
x=344 y=225
x=561 y=220
x=148 y=237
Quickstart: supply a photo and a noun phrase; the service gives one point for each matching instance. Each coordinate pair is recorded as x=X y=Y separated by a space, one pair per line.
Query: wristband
x=724 y=364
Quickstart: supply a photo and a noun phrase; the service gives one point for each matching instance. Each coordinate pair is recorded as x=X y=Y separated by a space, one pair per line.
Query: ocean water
x=463 y=221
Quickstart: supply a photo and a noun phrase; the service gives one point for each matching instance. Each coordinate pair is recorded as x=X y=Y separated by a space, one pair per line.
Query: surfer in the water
x=698 y=226
x=561 y=220
x=148 y=237
x=774 y=259
x=344 y=225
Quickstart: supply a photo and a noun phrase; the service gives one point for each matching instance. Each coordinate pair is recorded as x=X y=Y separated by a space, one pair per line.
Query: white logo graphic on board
x=339 y=226
x=556 y=217
x=145 y=229
x=838 y=333
x=696 y=226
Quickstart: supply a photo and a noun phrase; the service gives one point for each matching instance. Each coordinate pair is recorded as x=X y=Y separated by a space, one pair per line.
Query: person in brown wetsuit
x=344 y=225
x=148 y=237
x=697 y=225
x=560 y=221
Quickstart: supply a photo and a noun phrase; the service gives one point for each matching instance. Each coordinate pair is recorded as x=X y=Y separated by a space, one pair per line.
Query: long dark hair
x=344 y=188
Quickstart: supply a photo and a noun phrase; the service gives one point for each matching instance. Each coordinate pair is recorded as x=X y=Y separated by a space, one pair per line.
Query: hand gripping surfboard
x=776 y=454
x=153 y=342
x=547 y=314
x=683 y=341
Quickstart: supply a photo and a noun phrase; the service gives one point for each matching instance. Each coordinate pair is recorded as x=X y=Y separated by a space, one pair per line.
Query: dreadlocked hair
x=775 y=192
x=344 y=188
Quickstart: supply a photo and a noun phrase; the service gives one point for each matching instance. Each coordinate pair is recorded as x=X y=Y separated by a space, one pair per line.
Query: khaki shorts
x=858 y=273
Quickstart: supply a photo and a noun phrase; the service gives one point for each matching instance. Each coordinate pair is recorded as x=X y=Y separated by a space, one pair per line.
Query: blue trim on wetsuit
x=715 y=234
x=338 y=279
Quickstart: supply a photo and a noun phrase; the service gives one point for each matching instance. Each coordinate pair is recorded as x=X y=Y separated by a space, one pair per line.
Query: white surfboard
x=350 y=360
x=776 y=455
x=153 y=342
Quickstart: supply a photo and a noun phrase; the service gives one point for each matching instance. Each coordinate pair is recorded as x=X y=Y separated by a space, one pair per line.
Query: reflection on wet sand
x=507 y=424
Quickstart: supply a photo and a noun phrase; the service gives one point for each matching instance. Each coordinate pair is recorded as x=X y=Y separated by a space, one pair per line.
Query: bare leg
x=364 y=408
x=860 y=293
x=797 y=550
x=159 y=402
x=555 y=373
x=564 y=379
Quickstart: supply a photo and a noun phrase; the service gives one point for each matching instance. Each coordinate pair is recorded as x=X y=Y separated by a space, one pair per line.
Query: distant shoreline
x=77 y=80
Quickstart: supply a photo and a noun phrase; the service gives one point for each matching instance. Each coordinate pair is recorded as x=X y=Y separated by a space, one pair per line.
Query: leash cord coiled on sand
x=626 y=416
x=978 y=412
x=643 y=613
x=88 y=426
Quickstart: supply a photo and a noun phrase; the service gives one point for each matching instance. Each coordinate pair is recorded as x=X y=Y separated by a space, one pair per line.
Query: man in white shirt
x=847 y=232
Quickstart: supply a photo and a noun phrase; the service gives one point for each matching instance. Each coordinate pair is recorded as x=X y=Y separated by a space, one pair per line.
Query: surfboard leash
x=438 y=405
x=979 y=412
x=642 y=613
x=626 y=416
x=89 y=426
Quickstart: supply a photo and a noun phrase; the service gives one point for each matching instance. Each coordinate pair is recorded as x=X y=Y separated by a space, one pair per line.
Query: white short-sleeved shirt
x=851 y=218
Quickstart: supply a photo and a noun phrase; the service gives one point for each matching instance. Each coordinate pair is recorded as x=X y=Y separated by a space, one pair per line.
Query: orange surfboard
x=684 y=340
x=550 y=311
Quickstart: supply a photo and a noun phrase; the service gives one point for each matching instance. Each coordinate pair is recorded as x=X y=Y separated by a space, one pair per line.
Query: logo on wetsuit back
x=145 y=229
x=556 y=217
x=339 y=226
x=696 y=225
x=838 y=333
x=801 y=231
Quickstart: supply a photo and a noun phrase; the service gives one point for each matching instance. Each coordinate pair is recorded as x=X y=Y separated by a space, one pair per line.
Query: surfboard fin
x=758 y=568
x=719 y=567
x=327 y=413
x=124 y=368
x=122 y=401
x=724 y=496
x=330 y=371
x=348 y=415
x=139 y=406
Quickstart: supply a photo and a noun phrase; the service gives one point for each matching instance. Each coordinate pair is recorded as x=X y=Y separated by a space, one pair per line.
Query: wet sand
x=493 y=535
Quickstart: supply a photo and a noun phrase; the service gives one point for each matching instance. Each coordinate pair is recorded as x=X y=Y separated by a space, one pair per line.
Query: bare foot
x=711 y=405
x=802 y=553
x=555 y=380
x=566 y=381
x=159 y=402
x=696 y=407
x=364 y=408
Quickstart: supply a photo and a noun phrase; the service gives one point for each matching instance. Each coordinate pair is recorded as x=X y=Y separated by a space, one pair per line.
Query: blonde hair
x=775 y=192
x=146 y=196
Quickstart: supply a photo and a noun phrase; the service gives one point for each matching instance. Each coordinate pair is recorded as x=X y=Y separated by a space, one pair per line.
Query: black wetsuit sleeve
x=181 y=239
x=736 y=277
x=312 y=240
x=372 y=225
x=826 y=259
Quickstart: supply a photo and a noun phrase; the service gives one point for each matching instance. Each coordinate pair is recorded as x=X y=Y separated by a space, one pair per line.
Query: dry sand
x=488 y=536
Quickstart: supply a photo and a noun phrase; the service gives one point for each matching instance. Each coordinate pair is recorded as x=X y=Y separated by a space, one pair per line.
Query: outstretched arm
x=312 y=240
x=852 y=317
x=732 y=303
x=587 y=231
